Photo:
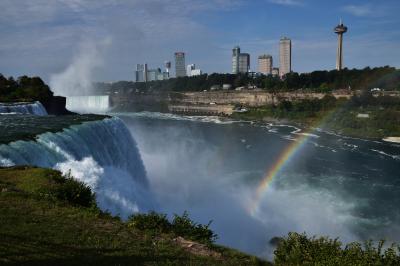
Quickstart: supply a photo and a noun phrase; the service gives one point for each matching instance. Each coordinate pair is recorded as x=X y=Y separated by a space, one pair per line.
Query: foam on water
x=88 y=104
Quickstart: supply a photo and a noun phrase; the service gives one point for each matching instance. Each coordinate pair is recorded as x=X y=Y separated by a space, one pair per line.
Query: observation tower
x=340 y=30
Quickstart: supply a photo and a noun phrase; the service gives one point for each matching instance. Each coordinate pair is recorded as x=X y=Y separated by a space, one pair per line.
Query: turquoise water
x=27 y=127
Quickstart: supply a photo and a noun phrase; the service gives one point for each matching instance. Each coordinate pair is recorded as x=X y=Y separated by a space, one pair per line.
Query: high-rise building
x=244 y=63
x=180 y=70
x=139 y=73
x=285 y=56
x=240 y=61
x=235 y=59
x=265 y=64
x=143 y=74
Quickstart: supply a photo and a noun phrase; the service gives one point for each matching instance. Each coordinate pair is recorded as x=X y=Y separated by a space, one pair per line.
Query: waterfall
x=101 y=153
x=88 y=104
x=35 y=108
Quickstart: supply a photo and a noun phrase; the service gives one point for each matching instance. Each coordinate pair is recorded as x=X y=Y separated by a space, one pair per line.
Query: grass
x=381 y=122
x=41 y=226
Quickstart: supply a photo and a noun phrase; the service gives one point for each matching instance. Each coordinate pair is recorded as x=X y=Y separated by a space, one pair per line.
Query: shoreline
x=392 y=139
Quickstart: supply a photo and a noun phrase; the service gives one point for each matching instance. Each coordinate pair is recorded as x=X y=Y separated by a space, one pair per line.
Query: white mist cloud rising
x=77 y=78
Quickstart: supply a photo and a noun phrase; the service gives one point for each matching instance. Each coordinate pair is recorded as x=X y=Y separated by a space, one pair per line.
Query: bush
x=153 y=222
x=75 y=192
x=183 y=226
x=67 y=189
x=298 y=249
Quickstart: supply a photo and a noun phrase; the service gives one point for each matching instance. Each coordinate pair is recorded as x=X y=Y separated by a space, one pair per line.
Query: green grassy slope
x=42 y=223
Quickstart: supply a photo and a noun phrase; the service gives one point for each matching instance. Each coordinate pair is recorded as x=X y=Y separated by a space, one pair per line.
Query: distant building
x=167 y=65
x=180 y=64
x=196 y=72
x=240 y=61
x=285 y=56
x=265 y=64
x=143 y=74
x=191 y=70
x=275 y=72
x=140 y=73
x=153 y=74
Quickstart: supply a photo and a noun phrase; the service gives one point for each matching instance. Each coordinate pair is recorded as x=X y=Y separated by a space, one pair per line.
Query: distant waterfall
x=102 y=154
x=88 y=104
x=35 y=108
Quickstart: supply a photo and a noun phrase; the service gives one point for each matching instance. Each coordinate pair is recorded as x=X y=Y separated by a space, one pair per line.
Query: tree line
x=24 y=89
x=386 y=77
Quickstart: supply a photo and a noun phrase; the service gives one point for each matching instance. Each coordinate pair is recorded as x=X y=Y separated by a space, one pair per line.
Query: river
x=332 y=185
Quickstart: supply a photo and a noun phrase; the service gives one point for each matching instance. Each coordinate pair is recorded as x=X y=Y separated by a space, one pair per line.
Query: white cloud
x=359 y=10
x=286 y=2
x=43 y=35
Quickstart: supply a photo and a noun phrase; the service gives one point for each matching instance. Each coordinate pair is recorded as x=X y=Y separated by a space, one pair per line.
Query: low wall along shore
x=249 y=98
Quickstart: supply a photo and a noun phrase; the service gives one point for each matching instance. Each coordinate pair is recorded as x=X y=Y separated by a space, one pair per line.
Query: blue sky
x=104 y=40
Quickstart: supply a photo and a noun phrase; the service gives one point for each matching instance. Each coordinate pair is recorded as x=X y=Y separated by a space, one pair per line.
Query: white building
x=265 y=64
x=285 y=56
x=191 y=70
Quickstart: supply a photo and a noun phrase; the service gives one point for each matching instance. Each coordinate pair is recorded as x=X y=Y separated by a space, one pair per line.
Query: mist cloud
x=77 y=78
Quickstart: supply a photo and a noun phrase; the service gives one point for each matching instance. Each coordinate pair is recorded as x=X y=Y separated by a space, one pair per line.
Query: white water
x=102 y=154
x=35 y=108
x=88 y=104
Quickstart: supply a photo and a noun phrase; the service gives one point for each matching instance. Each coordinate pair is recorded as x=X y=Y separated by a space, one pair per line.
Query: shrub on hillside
x=152 y=221
x=183 y=226
x=75 y=192
x=298 y=249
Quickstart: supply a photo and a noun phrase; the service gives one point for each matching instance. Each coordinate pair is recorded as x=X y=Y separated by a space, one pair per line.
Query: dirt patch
x=196 y=248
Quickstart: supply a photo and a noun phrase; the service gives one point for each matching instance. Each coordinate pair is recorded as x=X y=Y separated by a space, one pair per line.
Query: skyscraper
x=285 y=56
x=139 y=73
x=180 y=70
x=340 y=30
x=235 y=59
x=240 y=61
x=265 y=64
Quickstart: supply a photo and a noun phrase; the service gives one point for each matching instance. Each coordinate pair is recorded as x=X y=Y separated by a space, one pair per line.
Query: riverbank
x=345 y=122
x=47 y=219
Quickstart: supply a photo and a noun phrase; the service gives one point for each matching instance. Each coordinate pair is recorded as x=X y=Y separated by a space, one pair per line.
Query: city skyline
x=112 y=37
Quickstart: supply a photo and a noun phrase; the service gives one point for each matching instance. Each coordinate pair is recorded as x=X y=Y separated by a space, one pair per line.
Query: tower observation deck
x=340 y=30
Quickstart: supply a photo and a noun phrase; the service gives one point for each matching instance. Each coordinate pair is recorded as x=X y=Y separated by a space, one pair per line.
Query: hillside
x=47 y=219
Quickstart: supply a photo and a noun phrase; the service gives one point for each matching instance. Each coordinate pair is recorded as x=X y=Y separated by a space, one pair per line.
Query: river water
x=333 y=185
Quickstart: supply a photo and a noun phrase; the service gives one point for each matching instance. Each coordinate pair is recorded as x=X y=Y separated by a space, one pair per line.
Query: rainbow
x=283 y=159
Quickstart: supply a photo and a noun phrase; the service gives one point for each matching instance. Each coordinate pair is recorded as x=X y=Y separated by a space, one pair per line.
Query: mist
x=212 y=171
x=77 y=79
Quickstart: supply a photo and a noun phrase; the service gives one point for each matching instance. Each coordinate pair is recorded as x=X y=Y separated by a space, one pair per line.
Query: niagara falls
x=214 y=132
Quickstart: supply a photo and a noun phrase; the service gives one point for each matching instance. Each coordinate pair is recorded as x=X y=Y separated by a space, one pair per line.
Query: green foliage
x=299 y=249
x=66 y=189
x=44 y=231
x=386 y=77
x=153 y=222
x=24 y=89
x=75 y=192
x=184 y=226
x=180 y=226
